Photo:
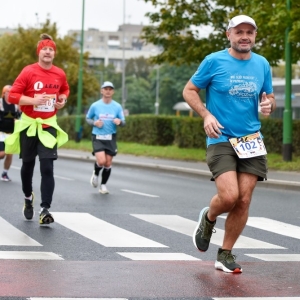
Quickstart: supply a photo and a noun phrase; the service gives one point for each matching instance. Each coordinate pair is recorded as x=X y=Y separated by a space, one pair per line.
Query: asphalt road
x=135 y=243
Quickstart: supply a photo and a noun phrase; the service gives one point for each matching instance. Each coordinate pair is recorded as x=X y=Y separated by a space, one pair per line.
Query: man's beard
x=237 y=49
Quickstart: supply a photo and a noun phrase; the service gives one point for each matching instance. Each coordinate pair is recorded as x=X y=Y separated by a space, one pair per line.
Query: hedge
x=185 y=132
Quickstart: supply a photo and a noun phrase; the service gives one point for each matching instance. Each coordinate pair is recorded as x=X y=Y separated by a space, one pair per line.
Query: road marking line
x=158 y=256
x=11 y=236
x=13 y=167
x=29 y=255
x=186 y=226
x=64 y=178
x=276 y=257
x=275 y=226
x=259 y=298
x=43 y=298
x=102 y=232
x=141 y=194
x=56 y=176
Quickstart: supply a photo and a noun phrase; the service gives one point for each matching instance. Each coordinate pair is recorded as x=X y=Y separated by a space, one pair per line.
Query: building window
x=113 y=38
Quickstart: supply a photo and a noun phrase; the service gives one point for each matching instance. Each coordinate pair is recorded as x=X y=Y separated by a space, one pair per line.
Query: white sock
x=43 y=208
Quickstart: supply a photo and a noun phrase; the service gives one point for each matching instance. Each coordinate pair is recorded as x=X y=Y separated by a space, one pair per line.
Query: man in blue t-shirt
x=238 y=86
x=104 y=115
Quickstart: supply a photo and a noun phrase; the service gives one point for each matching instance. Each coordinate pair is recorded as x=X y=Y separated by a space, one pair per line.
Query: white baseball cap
x=239 y=20
x=107 y=84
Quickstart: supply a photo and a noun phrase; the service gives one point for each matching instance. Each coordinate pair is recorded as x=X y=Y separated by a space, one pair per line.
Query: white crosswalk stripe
x=276 y=257
x=259 y=298
x=29 y=255
x=45 y=298
x=186 y=226
x=275 y=227
x=109 y=235
x=113 y=236
x=157 y=256
x=11 y=236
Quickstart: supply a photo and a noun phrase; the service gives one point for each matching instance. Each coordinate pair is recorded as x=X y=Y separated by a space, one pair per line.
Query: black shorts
x=31 y=146
x=108 y=146
x=222 y=158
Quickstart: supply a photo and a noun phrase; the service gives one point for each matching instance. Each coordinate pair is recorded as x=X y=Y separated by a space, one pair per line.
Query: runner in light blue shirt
x=104 y=115
x=238 y=86
x=233 y=91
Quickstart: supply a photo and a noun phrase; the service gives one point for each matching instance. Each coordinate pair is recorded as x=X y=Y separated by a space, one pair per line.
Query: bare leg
x=100 y=158
x=238 y=215
x=7 y=161
x=225 y=199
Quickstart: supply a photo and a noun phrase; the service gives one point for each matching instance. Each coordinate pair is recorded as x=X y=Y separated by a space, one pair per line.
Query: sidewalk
x=276 y=179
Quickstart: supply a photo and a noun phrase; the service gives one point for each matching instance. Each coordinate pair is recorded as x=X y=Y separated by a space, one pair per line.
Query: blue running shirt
x=106 y=112
x=233 y=91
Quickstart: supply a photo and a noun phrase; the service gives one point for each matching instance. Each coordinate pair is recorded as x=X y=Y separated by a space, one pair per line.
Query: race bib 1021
x=249 y=146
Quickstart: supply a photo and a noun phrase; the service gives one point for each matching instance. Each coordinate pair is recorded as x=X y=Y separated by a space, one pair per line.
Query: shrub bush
x=185 y=132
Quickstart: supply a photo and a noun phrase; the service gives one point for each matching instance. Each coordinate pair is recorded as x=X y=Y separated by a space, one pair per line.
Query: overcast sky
x=105 y=15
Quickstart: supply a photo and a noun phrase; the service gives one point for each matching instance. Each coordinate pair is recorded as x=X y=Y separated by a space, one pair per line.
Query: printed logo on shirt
x=242 y=86
x=39 y=85
x=106 y=116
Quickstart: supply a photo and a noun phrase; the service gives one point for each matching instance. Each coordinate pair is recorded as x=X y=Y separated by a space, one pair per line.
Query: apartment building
x=109 y=47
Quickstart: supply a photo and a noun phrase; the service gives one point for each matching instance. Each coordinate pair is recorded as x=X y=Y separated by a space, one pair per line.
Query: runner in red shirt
x=40 y=90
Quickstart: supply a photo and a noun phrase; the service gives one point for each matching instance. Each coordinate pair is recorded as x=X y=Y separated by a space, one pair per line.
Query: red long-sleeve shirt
x=35 y=80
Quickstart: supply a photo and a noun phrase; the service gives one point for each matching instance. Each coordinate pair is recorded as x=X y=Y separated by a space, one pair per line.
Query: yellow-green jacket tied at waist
x=12 y=142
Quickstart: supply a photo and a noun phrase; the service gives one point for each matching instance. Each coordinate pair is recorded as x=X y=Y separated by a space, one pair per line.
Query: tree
x=178 y=28
x=137 y=85
x=140 y=67
x=18 y=50
x=107 y=73
x=139 y=99
x=172 y=80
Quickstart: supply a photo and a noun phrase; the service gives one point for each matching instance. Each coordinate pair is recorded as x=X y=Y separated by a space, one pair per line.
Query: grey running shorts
x=222 y=158
x=108 y=146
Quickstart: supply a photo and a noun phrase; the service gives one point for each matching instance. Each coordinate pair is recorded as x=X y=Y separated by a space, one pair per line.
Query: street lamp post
x=157 y=92
x=79 y=89
x=101 y=76
x=287 y=114
x=123 y=59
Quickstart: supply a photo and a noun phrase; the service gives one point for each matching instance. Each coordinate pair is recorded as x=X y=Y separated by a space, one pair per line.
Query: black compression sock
x=97 y=169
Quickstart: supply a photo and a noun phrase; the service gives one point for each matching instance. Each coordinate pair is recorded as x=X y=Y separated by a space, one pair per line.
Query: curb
x=270 y=183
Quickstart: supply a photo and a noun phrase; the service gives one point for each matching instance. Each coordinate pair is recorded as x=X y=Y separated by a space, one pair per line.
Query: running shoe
x=103 y=189
x=28 y=211
x=94 y=180
x=4 y=177
x=46 y=217
x=203 y=231
x=226 y=262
